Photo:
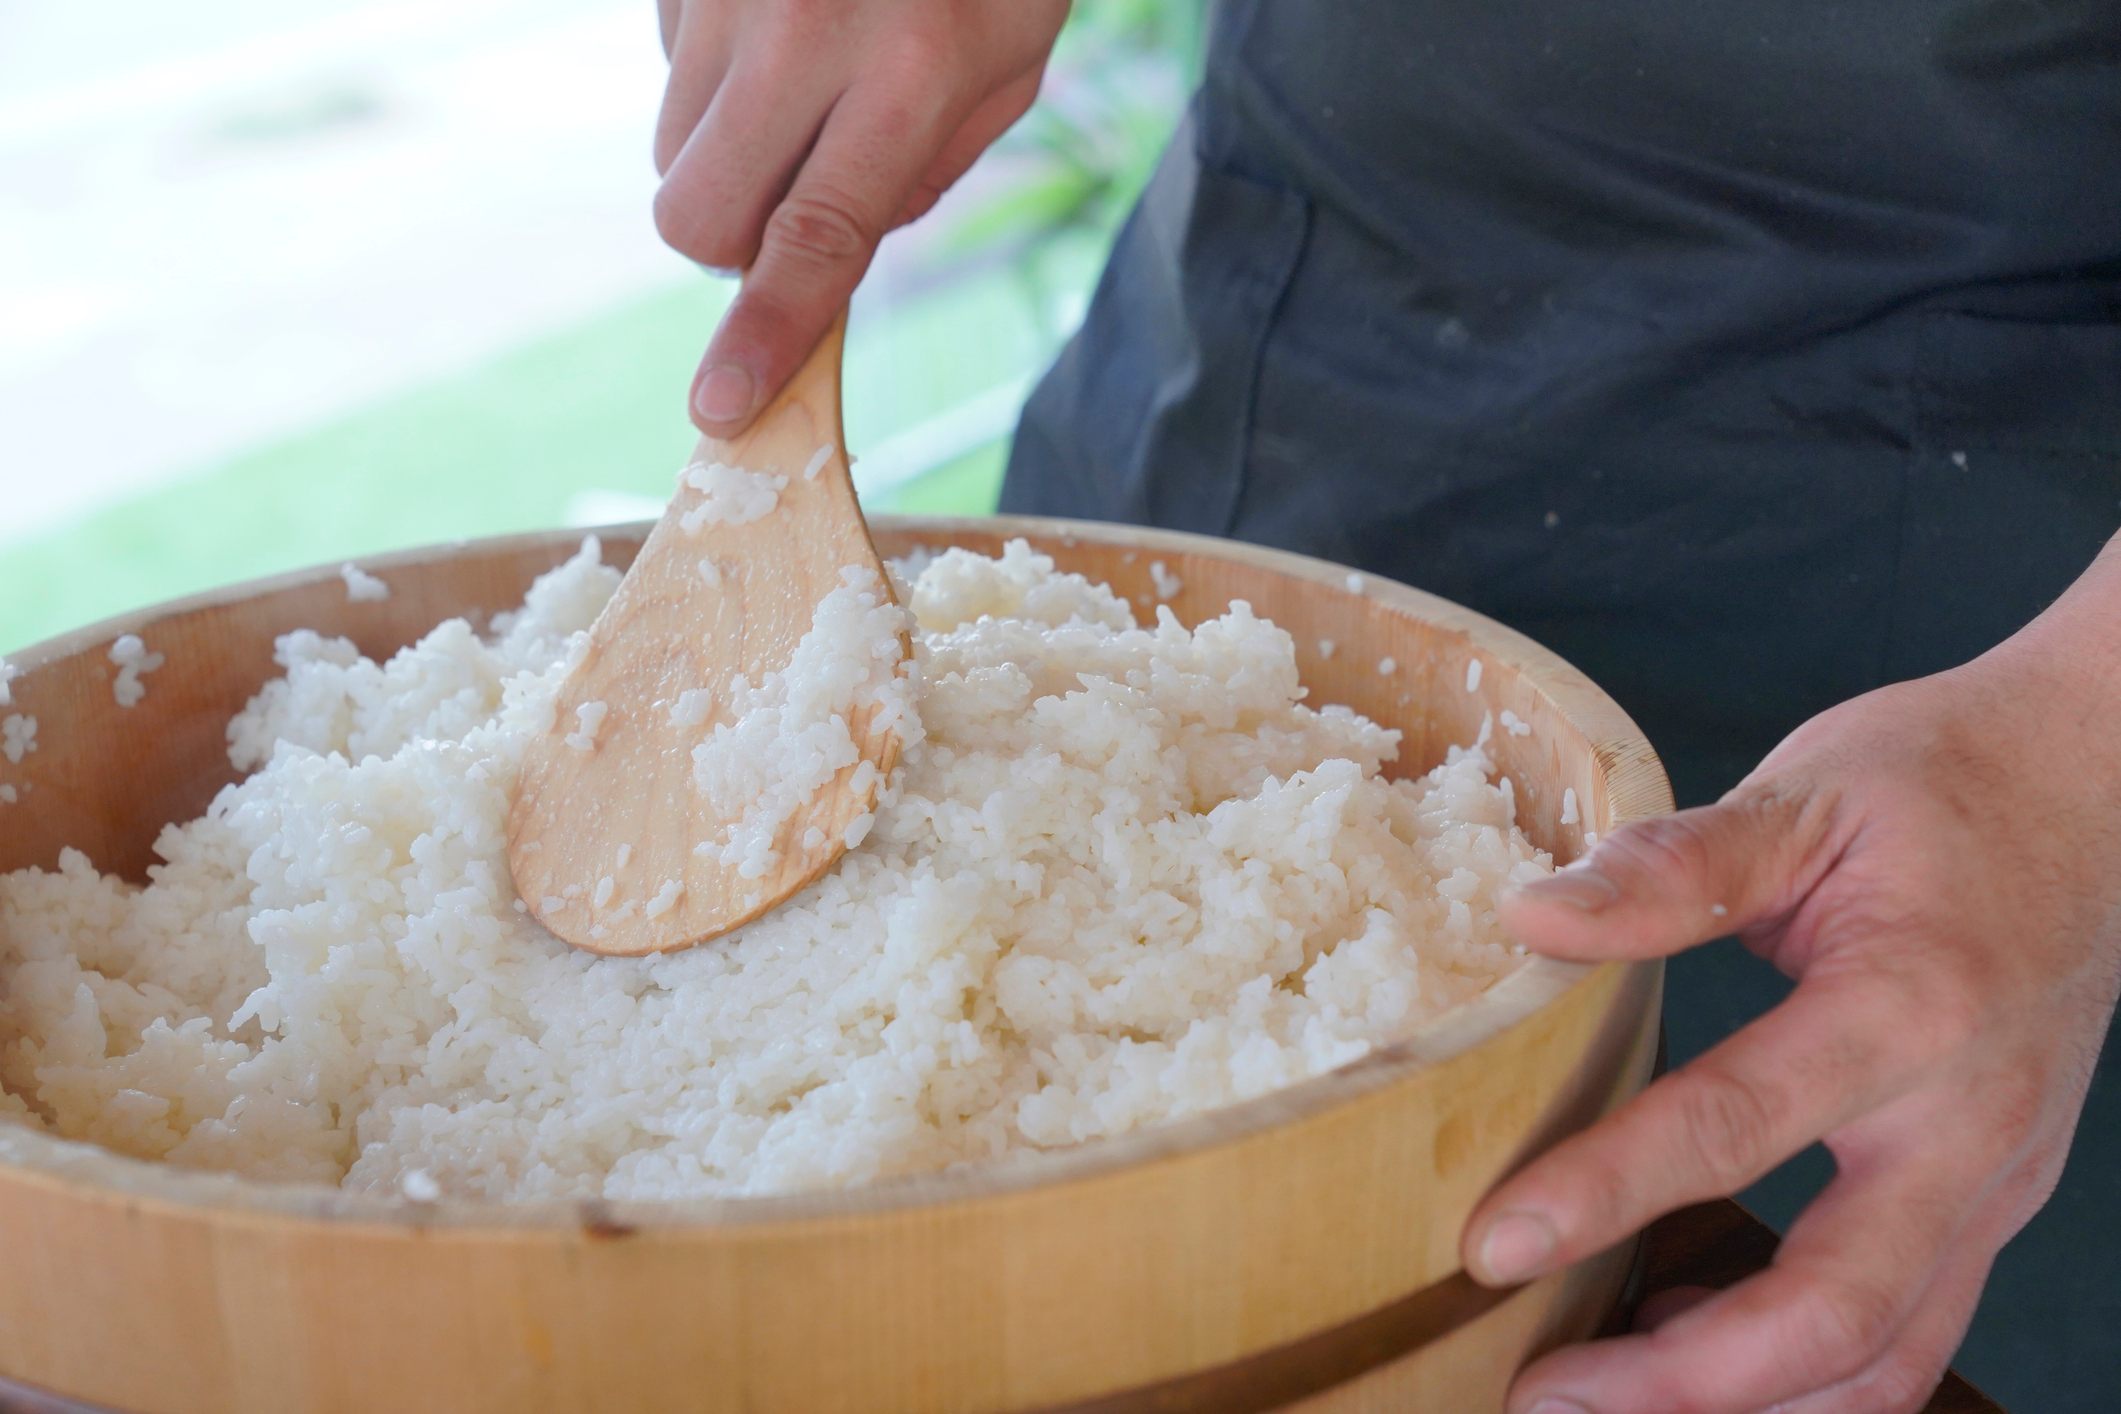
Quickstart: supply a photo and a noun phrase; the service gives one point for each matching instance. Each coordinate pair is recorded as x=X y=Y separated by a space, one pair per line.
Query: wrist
x=2061 y=676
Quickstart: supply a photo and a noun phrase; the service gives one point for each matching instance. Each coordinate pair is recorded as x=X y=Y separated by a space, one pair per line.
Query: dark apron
x=1750 y=357
x=1747 y=367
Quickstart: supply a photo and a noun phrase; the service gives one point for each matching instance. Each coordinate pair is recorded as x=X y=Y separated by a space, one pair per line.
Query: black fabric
x=1715 y=356
x=1750 y=357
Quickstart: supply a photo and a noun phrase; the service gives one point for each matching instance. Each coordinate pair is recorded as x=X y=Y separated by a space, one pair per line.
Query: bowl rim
x=1636 y=788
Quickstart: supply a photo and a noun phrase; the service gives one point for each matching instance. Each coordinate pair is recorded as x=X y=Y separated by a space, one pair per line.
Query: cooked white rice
x=133 y=662
x=363 y=587
x=793 y=732
x=18 y=737
x=1123 y=874
x=729 y=495
x=589 y=720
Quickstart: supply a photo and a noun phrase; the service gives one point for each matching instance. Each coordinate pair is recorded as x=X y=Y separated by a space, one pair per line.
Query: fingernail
x=1555 y=1404
x=1516 y=1247
x=1579 y=887
x=725 y=393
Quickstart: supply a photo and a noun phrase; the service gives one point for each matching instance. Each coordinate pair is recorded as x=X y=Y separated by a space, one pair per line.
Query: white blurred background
x=282 y=283
x=224 y=220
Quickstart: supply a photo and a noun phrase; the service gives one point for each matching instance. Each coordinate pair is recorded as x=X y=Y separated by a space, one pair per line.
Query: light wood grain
x=623 y=806
x=1037 y=1282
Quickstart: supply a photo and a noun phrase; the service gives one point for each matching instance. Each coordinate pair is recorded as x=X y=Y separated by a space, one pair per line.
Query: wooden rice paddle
x=626 y=808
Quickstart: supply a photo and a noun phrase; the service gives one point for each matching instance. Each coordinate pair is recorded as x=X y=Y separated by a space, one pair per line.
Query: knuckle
x=1665 y=850
x=916 y=57
x=1730 y=1125
x=920 y=203
x=1020 y=103
x=1948 y=1004
x=819 y=226
x=679 y=222
x=1903 y=1386
x=1794 y=806
x=1851 y=1321
x=1843 y=1061
x=909 y=91
x=899 y=119
x=1613 y=1201
x=674 y=222
x=1928 y=1005
x=795 y=33
x=669 y=141
x=806 y=17
x=1905 y=1389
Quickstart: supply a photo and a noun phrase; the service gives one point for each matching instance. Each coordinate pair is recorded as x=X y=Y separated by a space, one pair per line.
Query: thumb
x=1657 y=886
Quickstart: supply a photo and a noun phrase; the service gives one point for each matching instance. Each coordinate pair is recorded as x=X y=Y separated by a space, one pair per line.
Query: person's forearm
x=2072 y=655
x=2088 y=614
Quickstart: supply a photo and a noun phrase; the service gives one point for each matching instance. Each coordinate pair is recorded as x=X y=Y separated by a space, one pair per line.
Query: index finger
x=1841 y=1289
x=817 y=245
x=1833 y=1050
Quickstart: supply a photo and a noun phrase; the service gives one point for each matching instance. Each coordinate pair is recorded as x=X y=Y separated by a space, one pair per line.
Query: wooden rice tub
x=1297 y=1251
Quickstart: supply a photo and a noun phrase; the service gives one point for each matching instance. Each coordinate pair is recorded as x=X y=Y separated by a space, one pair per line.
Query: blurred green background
x=315 y=441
